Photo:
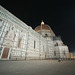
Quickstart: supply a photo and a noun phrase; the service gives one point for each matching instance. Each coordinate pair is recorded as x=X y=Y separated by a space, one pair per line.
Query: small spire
x=42 y=22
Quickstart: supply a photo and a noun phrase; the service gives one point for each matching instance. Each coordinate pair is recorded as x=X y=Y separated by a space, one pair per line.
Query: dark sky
x=58 y=14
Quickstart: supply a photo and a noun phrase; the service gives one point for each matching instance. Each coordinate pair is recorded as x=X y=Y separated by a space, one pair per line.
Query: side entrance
x=5 y=53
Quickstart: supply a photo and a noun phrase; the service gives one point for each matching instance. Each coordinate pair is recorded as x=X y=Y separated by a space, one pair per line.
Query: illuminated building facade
x=71 y=55
x=20 y=41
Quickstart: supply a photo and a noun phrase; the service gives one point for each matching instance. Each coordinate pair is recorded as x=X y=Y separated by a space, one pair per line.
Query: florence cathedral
x=18 y=41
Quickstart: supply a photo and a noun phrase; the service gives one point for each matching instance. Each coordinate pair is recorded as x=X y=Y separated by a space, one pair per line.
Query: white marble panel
x=15 y=44
x=2 y=39
x=23 y=53
x=16 y=38
x=0 y=33
x=3 y=28
x=3 y=34
x=7 y=24
x=6 y=28
x=17 y=34
x=0 y=23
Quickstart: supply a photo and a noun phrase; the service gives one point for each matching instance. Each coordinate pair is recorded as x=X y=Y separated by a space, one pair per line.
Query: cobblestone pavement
x=37 y=67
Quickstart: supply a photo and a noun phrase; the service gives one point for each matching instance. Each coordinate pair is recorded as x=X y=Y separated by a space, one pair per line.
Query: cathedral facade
x=20 y=41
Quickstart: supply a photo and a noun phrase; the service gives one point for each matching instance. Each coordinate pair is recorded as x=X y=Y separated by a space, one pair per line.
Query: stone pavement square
x=37 y=67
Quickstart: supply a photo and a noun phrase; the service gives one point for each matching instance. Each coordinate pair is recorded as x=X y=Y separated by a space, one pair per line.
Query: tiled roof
x=44 y=27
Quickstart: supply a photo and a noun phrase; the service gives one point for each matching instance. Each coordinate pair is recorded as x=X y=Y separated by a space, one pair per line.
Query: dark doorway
x=5 y=53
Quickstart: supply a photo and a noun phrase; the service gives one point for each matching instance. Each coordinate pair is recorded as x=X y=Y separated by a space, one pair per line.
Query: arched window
x=64 y=52
x=19 y=42
x=54 y=53
x=34 y=44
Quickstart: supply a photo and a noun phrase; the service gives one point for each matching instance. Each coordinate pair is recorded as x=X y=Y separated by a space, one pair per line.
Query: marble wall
x=20 y=41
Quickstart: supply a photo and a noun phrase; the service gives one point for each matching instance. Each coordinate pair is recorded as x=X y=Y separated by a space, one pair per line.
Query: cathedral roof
x=43 y=26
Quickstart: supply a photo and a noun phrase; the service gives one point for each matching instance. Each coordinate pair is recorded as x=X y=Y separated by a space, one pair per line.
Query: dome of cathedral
x=42 y=26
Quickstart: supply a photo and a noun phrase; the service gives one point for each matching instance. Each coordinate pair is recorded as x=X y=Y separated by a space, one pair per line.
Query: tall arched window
x=34 y=44
x=64 y=52
x=54 y=53
x=19 y=42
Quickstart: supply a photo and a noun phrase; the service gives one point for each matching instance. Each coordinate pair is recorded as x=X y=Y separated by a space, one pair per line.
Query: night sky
x=58 y=14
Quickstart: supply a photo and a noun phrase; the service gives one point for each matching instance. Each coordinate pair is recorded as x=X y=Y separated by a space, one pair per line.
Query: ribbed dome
x=44 y=27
